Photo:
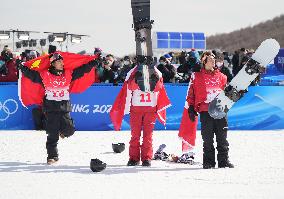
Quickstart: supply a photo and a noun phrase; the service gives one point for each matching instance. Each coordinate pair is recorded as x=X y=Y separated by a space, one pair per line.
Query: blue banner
x=261 y=108
x=279 y=60
x=274 y=74
x=12 y=114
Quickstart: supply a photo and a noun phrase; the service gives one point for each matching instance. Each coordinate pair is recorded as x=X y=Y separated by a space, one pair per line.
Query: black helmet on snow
x=118 y=148
x=96 y=165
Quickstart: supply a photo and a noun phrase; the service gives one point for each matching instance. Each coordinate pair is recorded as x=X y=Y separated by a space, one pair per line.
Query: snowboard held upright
x=145 y=76
x=263 y=55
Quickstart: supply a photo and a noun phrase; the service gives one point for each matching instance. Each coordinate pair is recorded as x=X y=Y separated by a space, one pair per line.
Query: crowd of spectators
x=175 y=67
x=8 y=69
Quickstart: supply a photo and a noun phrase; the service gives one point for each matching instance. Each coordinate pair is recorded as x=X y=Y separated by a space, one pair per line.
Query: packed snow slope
x=258 y=157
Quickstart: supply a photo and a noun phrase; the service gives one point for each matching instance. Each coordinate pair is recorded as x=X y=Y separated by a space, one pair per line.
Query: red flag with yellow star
x=33 y=93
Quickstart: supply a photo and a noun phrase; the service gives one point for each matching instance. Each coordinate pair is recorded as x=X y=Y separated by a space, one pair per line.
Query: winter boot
x=132 y=163
x=224 y=164
x=208 y=166
x=51 y=161
x=146 y=163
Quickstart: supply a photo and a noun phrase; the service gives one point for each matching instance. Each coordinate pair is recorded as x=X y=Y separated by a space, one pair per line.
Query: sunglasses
x=56 y=56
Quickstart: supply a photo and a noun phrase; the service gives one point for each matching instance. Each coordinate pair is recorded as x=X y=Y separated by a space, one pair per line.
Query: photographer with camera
x=8 y=69
x=99 y=69
x=167 y=69
x=110 y=70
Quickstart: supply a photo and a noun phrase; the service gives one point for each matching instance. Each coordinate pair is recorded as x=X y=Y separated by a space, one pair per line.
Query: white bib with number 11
x=140 y=98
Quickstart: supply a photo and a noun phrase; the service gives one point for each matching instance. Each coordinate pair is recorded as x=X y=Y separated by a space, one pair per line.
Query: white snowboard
x=264 y=54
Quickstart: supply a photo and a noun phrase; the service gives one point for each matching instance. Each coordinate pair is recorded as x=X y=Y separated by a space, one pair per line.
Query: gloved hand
x=154 y=77
x=94 y=63
x=19 y=64
x=138 y=75
x=100 y=59
x=192 y=113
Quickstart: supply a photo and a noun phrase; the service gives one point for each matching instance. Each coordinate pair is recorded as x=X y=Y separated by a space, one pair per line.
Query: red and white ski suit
x=144 y=109
x=205 y=86
x=143 y=114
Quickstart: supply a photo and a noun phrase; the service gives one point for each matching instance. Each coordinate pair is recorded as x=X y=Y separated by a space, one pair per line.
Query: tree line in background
x=250 y=37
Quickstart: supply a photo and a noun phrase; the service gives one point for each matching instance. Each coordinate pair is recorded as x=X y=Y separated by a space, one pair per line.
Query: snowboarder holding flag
x=48 y=81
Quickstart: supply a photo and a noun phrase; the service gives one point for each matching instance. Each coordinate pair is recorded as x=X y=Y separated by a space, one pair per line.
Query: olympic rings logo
x=9 y=107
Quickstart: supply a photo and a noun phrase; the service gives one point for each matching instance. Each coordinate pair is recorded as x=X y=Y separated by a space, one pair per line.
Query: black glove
x=192 y=113
x=94 y=63
x=154 y=77
x=138 y=75
x=19 y=64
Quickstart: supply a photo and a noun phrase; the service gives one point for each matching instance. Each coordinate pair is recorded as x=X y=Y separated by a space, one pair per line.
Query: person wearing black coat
x=110 y=71
x=168 y=71
x=223 y=69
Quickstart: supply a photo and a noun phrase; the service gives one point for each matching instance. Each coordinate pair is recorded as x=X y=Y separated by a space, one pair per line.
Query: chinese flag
x=32 y=93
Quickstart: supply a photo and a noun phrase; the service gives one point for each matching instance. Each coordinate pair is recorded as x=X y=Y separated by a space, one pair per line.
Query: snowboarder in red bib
x=205 y=86
x=144 y=108
x=55 y=82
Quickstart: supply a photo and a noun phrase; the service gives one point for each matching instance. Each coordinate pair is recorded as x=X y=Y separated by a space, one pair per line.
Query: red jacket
x=123 y=102
x=205 y=86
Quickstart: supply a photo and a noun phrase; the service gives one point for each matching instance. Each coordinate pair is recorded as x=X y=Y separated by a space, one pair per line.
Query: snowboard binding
x=160 y=154
x=186 y=158
x=253 y=67
x=145 y=77
x=233 y=94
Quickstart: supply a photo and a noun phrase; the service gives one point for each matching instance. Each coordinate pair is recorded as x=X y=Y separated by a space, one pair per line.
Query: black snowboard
x=146 y=76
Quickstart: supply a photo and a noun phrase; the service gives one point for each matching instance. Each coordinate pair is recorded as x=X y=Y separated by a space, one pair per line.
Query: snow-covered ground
x=258 y=157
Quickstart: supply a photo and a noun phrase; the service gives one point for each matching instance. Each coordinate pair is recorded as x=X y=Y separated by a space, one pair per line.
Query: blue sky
x=108 y=22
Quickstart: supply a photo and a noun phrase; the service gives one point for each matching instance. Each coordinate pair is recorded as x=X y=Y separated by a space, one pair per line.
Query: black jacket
x=227 y=72
x=168 y=71
x=110 y=76
x=123 y=72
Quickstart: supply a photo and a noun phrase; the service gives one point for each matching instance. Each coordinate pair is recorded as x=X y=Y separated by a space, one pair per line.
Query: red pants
x=141 y=118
